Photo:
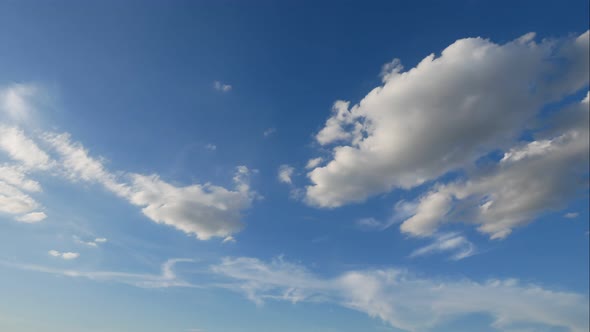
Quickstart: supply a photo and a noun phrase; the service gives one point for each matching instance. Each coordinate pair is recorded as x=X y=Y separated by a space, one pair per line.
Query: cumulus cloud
x=211 y=147
x=15 y=202
x=405 y=301
x=531 y=178
x=32 y=217
x=64 y=255
x=202 y=210
x=442 y=115
x=222 y=86
x=285 y=173
x=453 y=243
x=571 y=215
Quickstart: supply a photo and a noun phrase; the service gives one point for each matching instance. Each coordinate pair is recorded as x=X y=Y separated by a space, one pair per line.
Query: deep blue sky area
x=159 y=104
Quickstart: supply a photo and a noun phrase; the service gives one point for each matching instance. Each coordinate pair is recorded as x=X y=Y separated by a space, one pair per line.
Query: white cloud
x=442 y=115
x=211 y=147
x=166 y=278
x=14 y=182
x=531 y=178
x=32 y=217
x=14 y=201
x=571 y=215
x=285 y=173
x=16 y=175
x=222 y=86
x=79 y=166
x=405 y=301
x=229 y=239
x=16 y=101
x=94 y=243
x=450 y=242
x=370 y=224
x=21 y=148
x=64 y=255
x=203 y=210
x=313 y=163
x=269 y=132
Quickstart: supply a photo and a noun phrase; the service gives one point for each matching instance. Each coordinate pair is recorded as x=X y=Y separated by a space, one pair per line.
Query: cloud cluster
x=203 y=210
x=15 y=182
x=65 y=255
x=92 y=243
x=219 y=86
x=531 y=178
x=405 y=301
x=477 y=97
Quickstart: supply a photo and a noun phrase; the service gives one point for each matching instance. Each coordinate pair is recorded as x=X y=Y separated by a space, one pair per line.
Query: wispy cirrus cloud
x=456 y=245
x=204 y=210
x=406 y=301
x=166 y=278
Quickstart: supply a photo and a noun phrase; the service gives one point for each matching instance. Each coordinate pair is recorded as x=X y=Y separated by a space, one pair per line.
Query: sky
x=321 y=166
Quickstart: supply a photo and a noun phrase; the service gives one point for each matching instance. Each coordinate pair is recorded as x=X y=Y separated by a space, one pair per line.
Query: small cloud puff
x=222 y=86
x=269 y=131
x=285 y=173
x=64 y=255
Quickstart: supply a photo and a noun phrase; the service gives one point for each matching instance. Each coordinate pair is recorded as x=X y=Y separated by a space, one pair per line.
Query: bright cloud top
x=406 y=301
x=475 y=98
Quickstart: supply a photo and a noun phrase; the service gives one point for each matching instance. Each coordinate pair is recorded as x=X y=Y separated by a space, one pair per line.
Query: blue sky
x=316 y=166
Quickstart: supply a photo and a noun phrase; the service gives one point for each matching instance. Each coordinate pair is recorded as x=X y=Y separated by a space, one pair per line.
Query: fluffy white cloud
x=32 y=217
x=571 y=215
x=64 y=255
x=442 y=115
x=408 y=302
x=531 y=178
x=285 y=173
x=450 y=242
x=203 y=210
x=15 y=202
